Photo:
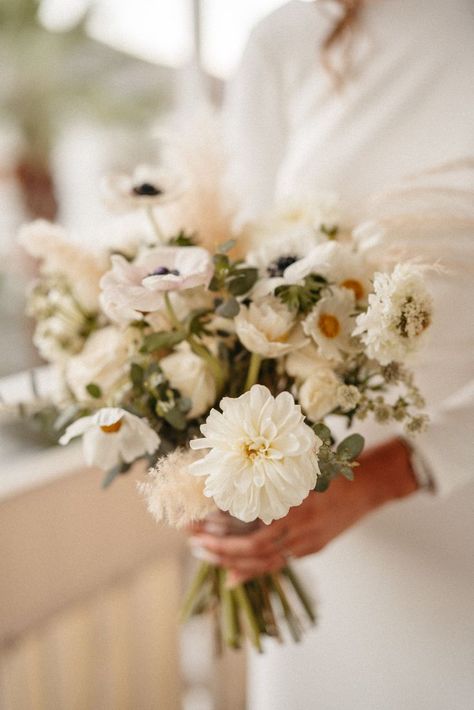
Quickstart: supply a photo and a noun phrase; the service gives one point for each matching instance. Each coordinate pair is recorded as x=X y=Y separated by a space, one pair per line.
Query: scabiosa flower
x=263 y=457
x=112 y=436
x=399 y=313
x=267 y=327
x=131 y=289
x=147 y=186
x=330 y=324
x=174 y=496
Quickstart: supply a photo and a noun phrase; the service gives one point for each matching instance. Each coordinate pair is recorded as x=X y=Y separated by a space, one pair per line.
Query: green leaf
x=228 y=309
x=329 y=230
x=183 y=240
x=226 y=246
x=136 y=374
x=176 y=418
x=322 y=484
x=94 y=390
x=322 y=431
x=163 y=339
x=351 y=447
x=243 y=281
x=347 y=472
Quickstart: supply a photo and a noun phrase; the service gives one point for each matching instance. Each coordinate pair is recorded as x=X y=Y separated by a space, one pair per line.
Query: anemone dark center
x=146 y=189
x=164 y=271
x=277 y=267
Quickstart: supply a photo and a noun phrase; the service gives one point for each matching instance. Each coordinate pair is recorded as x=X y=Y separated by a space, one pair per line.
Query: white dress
x=396 y=592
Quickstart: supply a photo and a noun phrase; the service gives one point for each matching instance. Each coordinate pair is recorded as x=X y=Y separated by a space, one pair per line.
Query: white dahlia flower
x=330 y=324
x=112 y=436
x=267 y=327
x=131 y=289
x=400 y=310
x=147 y=186
x=263 y=457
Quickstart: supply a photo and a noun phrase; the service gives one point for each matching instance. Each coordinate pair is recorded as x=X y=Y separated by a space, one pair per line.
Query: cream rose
x=189 y=374
x=319 y=393
x=103 y=361
x=267 y=327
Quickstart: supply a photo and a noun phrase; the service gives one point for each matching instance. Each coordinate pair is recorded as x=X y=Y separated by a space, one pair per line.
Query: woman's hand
x=384 y=474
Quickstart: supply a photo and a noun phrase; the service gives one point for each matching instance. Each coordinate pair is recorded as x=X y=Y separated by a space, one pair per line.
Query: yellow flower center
x=112 y=428
x=354 y=286
x=329 y=325
x=253 y=449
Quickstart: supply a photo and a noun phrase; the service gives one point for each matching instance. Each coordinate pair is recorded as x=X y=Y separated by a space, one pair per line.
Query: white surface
x=397 y=623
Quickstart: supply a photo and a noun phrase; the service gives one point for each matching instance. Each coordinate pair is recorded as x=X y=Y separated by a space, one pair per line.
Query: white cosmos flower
x=189 y=374
x=263 y=457
x=330 y=324
x=131 y=289
x=319 y=393
x=400 y=310
x=112 y=436
x=147 y=186
x=339 y=264
x=267 y=327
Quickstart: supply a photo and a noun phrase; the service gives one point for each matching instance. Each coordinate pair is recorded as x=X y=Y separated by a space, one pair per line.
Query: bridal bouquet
x=220 y=363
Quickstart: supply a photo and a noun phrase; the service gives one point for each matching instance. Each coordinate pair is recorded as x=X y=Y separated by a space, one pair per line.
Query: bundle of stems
x=253 y=609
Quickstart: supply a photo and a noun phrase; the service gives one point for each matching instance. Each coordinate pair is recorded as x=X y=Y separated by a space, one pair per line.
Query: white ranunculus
x=301 y=363
x=263 y=457
x=189 y=374
x=399 y=313
x=339 y=264
x=60 y=256
x=112 y=436
x=267 y=327
x=147 y=186
x=131 y=289
x=318 y=395
x=330 y=324
x=104 y=360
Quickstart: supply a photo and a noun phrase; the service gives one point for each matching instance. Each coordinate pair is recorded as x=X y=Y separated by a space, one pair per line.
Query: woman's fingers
x=264 y=541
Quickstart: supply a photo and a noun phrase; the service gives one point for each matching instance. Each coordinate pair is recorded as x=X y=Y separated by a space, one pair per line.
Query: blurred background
x=90 y=587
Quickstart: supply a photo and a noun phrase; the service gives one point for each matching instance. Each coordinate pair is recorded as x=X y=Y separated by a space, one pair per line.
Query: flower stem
x=171 y=312
x=154 y=223
x=208 y=357
x=246 y=606
x=254 y=369
x=292 y=621
x=300 y=592
x=194 y=592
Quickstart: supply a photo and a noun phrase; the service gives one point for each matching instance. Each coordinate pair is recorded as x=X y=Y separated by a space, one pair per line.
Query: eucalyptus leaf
x=163 y=339
x=226 y=246
x=347 y=472
x=322 y=484
x=243 y=281
x=351 y=447
x=228 y=309
x=176 y=418
x=112 y=473
x=322 y=431
x=94 y=390
x=136 y=374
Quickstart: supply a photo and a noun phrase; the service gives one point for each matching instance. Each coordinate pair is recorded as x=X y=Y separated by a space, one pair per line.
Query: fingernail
x=200 y=553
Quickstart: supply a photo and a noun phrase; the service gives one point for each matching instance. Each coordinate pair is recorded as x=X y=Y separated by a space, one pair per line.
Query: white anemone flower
x=263 y=457
x=131 y=289
x=112 y=436
x=330 y=324
x=147 y=186
x=267 y=327
x=399 y=313
x=339 y=264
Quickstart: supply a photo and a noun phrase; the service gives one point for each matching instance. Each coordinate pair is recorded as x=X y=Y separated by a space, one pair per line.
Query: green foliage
x=338 y=461
x=329 y=230
x=112 y=473
x=351 y=447
x=94 y=390
x=233 y=277
x=302 y=298
x=160 y=340
x=182 y=239
x=229 y=308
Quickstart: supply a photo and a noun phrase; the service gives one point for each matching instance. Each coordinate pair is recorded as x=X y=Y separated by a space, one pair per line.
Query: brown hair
x=341 y=33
